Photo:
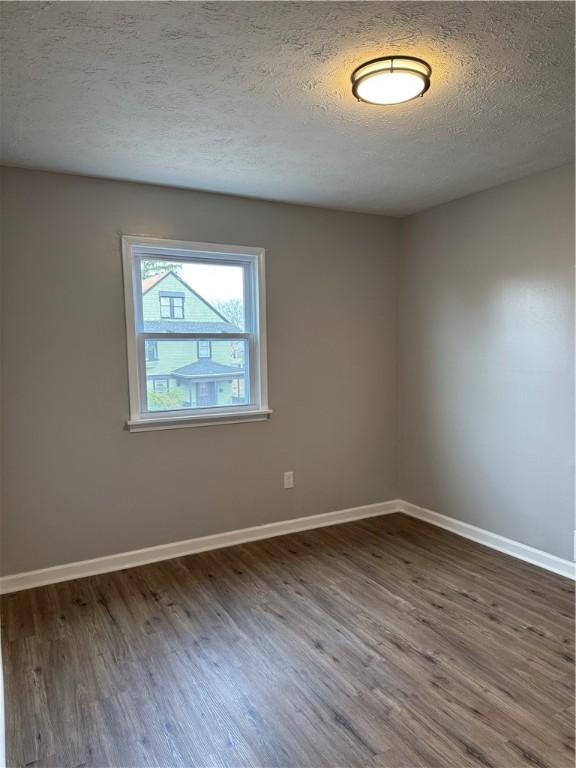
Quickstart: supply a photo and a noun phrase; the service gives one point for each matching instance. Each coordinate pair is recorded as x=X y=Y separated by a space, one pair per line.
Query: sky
x=214 y=283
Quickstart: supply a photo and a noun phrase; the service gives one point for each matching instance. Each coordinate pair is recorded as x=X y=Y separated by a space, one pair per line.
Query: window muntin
x=194 y=318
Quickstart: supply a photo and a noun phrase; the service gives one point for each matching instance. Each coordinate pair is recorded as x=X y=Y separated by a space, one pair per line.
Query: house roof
x=149 y=282
x=204 y=368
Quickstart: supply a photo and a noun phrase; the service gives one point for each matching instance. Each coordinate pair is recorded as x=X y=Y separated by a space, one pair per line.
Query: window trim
x=133 y=247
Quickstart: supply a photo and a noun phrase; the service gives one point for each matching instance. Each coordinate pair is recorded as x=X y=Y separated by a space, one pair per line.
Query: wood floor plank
x=385 y=643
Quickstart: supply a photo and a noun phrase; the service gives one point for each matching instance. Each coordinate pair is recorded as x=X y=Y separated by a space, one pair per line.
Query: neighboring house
x=188 y=373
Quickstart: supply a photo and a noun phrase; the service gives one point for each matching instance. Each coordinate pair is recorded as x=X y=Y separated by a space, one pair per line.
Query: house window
x=216 y=355
x=236 y=353
x=151 y=350
x=171 y=307
x=238 y=389
x=160 y=385
x=204 y=349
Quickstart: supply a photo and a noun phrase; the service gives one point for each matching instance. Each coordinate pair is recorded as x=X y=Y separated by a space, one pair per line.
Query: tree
x=233 y=311
x=151 y=268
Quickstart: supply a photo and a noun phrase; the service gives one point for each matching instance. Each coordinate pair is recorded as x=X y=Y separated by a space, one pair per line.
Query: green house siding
x=186 y=387
x=195 y=308
x=176 y=354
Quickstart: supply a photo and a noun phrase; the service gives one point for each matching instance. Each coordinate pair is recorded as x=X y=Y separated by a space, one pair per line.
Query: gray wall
x=486 y=387
x=76 y=484
x=485 y=368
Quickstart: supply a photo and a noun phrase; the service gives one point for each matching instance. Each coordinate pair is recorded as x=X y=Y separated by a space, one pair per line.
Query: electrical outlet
x=288 y=479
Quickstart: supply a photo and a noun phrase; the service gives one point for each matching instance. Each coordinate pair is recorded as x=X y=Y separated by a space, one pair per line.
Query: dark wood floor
x=384 y=644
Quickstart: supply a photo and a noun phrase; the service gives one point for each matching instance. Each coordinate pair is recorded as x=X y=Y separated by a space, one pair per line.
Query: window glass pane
x=204 y=348
x=210 y=296
x=193 y=382
x=151 y=350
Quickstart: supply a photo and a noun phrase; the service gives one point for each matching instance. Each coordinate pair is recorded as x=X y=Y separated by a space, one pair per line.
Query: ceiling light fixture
x=391 y=80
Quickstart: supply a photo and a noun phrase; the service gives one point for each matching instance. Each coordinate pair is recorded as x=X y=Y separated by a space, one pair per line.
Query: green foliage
x=160 y=401
x=150 y=267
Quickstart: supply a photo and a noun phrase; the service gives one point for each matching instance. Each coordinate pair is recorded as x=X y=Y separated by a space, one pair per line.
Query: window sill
x=149 y=425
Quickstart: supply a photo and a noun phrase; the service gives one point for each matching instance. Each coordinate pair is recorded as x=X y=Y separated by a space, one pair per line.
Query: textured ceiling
x=253 y=98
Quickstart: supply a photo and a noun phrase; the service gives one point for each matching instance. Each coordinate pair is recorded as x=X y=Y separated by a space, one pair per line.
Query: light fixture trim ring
x=357 y=79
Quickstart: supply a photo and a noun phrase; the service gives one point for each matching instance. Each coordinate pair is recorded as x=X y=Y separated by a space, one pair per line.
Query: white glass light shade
x=391 y=80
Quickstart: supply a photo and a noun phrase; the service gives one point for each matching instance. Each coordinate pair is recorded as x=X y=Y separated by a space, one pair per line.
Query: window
x=210 y=366
x=171 y=307
x=160 y=385
x=236 y=353
x=204 y=349
x=151 y=350
x=238 y=389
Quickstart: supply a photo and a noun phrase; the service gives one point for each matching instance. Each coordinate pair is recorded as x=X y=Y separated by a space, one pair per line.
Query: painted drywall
x=486 y=363
x=77 y=485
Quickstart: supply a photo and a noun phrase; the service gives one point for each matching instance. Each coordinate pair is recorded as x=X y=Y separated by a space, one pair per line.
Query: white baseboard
x=69 y=571
x=492 y=540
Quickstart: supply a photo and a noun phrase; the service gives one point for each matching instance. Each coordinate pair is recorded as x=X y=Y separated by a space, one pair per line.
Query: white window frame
x=135 y=248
